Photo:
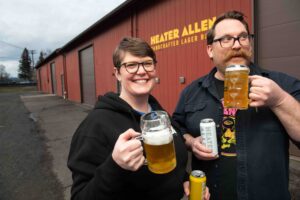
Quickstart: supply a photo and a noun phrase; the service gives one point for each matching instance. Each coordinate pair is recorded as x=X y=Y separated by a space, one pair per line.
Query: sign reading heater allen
x=188 y=34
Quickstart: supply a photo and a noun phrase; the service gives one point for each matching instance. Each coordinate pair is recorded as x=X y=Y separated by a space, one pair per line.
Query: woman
x=105 y=159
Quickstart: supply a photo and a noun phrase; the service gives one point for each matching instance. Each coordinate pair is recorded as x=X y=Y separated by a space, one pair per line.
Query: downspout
x=65 y=94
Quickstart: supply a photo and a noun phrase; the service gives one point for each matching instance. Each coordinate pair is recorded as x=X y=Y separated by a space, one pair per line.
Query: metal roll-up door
x=88 y=93
x=53 y=78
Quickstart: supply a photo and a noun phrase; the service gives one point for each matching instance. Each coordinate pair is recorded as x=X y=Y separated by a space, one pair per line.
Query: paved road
x=25 y=164
x=58 y=120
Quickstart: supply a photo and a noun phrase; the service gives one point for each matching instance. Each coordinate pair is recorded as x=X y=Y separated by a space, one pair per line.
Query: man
x=253 y=159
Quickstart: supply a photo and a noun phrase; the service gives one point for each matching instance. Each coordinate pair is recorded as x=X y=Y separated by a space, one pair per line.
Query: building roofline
x=116 y=14
x=98 y=23
x=49 y=57
x=125 y=5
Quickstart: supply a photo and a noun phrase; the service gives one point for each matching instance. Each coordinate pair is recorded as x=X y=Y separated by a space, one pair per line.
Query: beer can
x=197 y=185
x=209 y=134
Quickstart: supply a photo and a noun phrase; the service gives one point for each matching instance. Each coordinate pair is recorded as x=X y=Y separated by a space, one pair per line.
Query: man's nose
x=236 y=44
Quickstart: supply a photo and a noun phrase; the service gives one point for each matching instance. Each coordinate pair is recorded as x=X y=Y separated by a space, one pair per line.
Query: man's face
x=225 y=56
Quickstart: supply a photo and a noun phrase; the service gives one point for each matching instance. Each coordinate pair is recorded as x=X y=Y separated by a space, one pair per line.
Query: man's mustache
x=240 y=53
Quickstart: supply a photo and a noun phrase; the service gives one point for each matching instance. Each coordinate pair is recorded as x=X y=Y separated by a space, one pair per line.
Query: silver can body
x=209 y=134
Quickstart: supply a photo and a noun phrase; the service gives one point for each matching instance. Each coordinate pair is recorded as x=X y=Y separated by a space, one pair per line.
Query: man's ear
x=209 y=51
x=117 y=74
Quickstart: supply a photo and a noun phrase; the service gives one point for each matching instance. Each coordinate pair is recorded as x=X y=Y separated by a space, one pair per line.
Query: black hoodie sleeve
x=94 y=172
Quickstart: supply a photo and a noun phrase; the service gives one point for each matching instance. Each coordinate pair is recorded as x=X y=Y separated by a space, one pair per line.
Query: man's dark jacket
x=262 y=142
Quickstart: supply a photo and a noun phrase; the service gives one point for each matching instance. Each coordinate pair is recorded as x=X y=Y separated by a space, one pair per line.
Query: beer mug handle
x=173 y=131
x=140 y=138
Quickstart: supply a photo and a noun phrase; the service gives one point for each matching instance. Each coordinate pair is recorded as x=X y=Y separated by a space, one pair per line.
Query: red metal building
x=83 y=69
x=174 y=28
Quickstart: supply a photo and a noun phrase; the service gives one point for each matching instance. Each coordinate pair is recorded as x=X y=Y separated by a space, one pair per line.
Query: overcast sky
x=44 y=25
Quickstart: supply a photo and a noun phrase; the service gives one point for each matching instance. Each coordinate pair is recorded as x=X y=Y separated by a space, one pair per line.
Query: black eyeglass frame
x=249 y=36
x=139 y=64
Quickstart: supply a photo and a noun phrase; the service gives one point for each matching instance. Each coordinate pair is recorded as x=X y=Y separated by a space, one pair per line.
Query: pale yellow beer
x=160 y=151
x=158 y=142
x=236 y=87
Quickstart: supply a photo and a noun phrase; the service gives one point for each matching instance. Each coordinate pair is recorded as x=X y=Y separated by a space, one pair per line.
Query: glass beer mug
x=236 y=87
x=158 y=142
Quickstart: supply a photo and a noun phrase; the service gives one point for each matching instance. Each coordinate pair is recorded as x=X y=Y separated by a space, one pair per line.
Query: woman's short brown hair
x=135 y=46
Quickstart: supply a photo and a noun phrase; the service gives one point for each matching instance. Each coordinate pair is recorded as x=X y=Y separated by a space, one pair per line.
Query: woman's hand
x=128 y=152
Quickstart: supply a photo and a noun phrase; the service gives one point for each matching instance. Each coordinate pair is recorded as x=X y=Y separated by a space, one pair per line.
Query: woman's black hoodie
x=97 y=176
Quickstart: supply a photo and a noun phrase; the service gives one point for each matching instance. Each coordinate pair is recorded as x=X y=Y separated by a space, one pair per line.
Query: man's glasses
x=228 y=41
x=133 y=67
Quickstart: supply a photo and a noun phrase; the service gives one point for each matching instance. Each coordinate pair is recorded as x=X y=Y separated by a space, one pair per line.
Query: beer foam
x=237 y=68
x=158 y=137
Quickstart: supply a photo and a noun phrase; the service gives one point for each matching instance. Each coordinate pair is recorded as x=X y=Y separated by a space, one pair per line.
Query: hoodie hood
x=112 y=101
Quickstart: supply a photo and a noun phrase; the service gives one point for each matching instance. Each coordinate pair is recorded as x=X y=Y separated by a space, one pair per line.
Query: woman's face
x=139 y=84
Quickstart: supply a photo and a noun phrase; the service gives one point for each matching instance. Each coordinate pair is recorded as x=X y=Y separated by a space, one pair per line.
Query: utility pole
x=33 y=74
x=32 y=52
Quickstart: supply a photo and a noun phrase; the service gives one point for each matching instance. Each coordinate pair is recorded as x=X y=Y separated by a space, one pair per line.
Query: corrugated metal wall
x=174 y=28
x=44 y=79
x=59 y=71
x=73 y=78
x=162 y=23
x=104 y=45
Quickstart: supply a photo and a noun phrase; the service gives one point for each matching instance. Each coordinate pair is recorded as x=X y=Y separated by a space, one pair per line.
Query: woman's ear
x=117 y=74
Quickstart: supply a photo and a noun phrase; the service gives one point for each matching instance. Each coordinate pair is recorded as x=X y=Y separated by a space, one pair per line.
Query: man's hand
x=198 y=148
x=265 y=92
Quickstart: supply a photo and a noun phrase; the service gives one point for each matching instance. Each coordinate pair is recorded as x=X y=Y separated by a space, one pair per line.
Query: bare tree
x=41 y=57
x=3 y=74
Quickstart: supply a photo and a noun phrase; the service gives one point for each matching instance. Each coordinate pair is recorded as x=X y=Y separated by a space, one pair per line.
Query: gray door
x=277 y=33
x=88 y=93
x=62 y=84
x=53 y=78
